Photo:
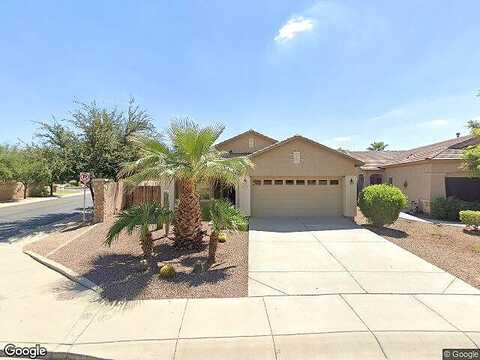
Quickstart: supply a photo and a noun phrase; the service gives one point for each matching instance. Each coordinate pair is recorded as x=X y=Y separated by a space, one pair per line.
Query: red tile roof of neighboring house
x=451 y=149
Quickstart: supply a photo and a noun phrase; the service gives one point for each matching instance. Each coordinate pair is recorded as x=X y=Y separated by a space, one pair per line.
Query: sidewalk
x=40 y=306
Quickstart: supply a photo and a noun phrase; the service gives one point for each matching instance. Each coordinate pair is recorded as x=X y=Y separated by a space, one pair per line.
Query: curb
x=72 y=275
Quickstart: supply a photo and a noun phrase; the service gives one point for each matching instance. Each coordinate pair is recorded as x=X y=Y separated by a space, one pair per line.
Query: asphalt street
x=26 y=218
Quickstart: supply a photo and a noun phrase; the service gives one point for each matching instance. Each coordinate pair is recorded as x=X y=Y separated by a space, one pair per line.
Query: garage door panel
x=296 y=200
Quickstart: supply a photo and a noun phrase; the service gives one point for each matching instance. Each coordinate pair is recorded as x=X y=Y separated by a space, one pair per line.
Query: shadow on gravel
x=386 y=231
x=121 y=280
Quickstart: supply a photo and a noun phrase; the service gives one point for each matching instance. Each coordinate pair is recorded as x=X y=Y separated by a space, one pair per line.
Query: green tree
x=471 y=155
x=377 y=146
x=26 y=166
x=95 y=140
x=188 y=159
x=224 y=217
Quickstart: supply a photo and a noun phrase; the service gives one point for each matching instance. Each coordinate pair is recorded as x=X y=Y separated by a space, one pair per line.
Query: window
x=289 y=182
x=390 y=180
x=334 y=182
x=278 y=182
x=267 y=182
x=311 y=182
x=251 y=143
x=296 y=157
x=300 y=182
x=257 y=182
x=322 y=182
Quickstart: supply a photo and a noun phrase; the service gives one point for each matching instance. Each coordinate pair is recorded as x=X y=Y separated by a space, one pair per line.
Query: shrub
x=470 y=218
x=205 y=206
x=381 y=204
x=167 y=271
x=449 y=209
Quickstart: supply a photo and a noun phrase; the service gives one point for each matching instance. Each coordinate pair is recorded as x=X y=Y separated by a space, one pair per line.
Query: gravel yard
x=114 y=268
x=447 y=247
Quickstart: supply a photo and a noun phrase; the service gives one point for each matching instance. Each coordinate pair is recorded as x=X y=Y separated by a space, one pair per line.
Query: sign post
x=84 y=179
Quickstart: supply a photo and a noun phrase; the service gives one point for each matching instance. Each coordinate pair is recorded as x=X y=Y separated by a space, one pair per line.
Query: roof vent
x=458 y=134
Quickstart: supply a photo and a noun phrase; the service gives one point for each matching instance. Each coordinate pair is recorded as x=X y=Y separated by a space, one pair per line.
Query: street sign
x=84 y=178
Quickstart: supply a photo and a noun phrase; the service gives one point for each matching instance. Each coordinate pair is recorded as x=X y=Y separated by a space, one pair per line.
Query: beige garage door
x=299 y=197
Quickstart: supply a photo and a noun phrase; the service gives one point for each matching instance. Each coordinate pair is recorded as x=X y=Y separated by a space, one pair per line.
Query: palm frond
x=225 y=216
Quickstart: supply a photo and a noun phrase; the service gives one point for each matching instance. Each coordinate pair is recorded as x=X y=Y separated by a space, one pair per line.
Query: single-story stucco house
x=300 y=177
x=293 y=177
x=423 y=173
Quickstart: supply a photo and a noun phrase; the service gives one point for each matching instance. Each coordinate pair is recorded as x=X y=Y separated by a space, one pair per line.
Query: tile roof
x=444 y=150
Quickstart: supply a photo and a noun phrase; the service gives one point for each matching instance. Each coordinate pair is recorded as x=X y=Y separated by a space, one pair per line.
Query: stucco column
x=350 y=196
x=244 y=195
x=99 y=203
x=168 y=187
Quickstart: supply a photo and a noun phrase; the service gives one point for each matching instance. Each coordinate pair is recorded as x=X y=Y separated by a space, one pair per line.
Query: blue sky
x=344 y=73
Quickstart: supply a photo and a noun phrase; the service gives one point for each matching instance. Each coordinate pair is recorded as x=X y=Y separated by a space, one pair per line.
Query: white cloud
x=433 y=124
x=293 y=27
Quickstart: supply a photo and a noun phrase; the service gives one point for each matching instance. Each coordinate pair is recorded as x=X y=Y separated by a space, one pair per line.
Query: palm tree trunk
x=188 y=216
x=212 y=247
x=146 y=242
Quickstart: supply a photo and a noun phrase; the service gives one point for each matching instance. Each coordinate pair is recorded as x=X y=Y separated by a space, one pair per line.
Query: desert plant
x=189 y=159
x=222 y=237
x=164 y=217
x=449 y=208
x=381 y=204
x=224 y=217
x=470 y=218
x=167 y=271
x=137 y=217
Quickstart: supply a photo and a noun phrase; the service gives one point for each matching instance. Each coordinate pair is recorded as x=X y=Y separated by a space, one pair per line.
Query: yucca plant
x=224 y=216
x=137 y=217
x=189 y=159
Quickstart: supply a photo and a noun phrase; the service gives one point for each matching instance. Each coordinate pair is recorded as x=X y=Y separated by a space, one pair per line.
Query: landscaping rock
x=141 y=266
x=197 y=267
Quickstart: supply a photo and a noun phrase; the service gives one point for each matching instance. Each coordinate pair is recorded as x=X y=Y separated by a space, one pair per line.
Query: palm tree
x=137 y=217
x=224 y=217
x=377 y=146
x=188 y=159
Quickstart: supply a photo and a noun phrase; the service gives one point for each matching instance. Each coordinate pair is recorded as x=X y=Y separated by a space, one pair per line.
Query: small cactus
x=167 y=271
x=222 y=237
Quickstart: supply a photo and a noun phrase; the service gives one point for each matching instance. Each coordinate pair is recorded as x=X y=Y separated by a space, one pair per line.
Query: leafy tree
x=471 y=155
x=189 y=159
x=377 y=146
x=95 y=140
x=6 y=168
x=224 y=217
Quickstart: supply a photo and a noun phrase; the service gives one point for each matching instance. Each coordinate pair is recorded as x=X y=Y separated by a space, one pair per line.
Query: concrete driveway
x=333 y=255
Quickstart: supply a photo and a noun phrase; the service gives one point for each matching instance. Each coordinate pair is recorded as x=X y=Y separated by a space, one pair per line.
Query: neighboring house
x=423 y=173
x=293 y=177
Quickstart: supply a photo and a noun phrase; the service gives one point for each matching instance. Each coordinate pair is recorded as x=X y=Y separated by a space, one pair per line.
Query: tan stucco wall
x=425 y=180
x=240 y=144
x=314 y=162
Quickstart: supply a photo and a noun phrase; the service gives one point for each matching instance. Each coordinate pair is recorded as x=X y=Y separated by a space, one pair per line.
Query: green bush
x=205 y=207
x=449 y=209
x=381 y=204
x=470 y=218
